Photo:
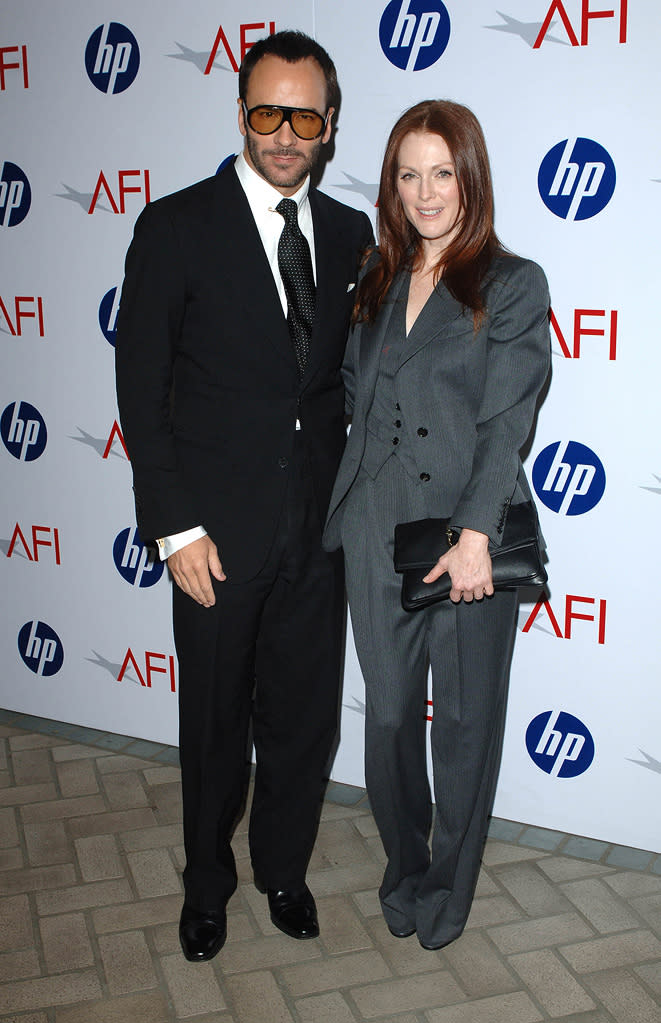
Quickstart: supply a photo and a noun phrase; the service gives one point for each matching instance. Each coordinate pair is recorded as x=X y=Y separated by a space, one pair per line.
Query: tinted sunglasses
x=306 y=124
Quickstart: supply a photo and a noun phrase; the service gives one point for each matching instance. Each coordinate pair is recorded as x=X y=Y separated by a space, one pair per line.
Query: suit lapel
x=433 y=320
x=253 y=284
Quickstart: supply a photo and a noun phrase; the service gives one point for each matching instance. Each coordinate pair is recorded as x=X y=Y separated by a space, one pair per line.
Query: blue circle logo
x=108 y=310
x=23 y=431
x=41 y=648
x=568 y=478
x=133 y=560
x=15 y=195
x=112 y=58
x=559 y=744
x=414 y=34
x=576 y=179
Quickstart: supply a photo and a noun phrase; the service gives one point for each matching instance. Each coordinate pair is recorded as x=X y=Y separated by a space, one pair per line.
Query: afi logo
x=33 y=552
x=560 y=744
x=580 y=331
x=570 y=615
x=41 y=648
x=15 y=195
x=108 y=314
x=112 y=58
x=557 y=7
x=122 y=189
x=23 y=431
x=414 y=33
x=576 y=179
x=26 y=307
x=133 y=561
x=8 y=63
x=244 y=43
x=151 y=668
x=568 y=478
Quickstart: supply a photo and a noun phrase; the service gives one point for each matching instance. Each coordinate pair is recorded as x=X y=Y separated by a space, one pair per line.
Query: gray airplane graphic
x=527 y=30
x=199 y=58
x=84 y=199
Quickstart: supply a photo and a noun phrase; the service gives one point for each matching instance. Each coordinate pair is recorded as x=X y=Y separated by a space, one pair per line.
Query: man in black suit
x=229 y=345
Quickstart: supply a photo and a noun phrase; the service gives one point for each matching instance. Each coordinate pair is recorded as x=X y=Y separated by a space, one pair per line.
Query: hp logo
x=568 y=478
x=132 y=559
x=112 y=58
x=576 y=179
x=560 y=744
x=414 y=33
x=108 y=314
x=41 y=648
x=15 y=195
x=23 y=431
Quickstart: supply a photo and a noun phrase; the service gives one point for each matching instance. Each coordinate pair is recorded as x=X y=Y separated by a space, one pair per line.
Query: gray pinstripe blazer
x=468 y=397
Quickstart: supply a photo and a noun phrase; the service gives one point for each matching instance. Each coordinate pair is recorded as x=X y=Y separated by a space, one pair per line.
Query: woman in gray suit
x=449 y=350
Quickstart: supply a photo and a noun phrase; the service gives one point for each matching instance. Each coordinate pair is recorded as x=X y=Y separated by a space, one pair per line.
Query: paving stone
x=342 y=845
x=124 y=791
x=77 y=778
x=542 y=838
x=83 y=896
x=585 y=848
x=338 y=972
x=411 y=993
x=650 y=974
x=605 y=911
x=532 y=890
x=25 y=794
x=496 y=853
x=65 y=942
x=649 y=907
x=47 y=843
x=137 y=914
x=34 y=740
x=74 y=751
x=367 y=902
x=127 y=962
x=32 y=879
x=624 y=997
x=154 y=873
x=265 y=952
x=162 y=775
x=629 y=884
x=342 y=880
x=112 y=823
x=498 y=909
x=11 y=859
x=486 y=885
x=157 y=837
x=192 y=986
x=551 y=983
x=527 y=935
x=143 y=748
x=30 y=1017
x=505 y=831
x=17 y=965
x=341 y=928
x=509 y=1008
x=366 y=826
x=405 y=956
x=478 y=967
x=98 y=858
x=167 y=803
x=566 y=868
x=633 y=859
x=45 y=992
x=256 y=997
x=324 y=1008
x=8 y=827
x=607 y=953
x=16 y=930
x=142 y=1008
x=32 y=767
x=62 y=809
x=120 y=763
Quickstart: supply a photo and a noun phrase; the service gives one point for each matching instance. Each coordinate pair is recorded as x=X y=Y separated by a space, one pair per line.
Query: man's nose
x=285 y=136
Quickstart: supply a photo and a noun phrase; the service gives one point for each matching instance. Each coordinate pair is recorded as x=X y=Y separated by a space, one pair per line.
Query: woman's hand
x=469 y=565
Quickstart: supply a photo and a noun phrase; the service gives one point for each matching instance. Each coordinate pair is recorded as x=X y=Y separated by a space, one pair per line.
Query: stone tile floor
x=562 y=928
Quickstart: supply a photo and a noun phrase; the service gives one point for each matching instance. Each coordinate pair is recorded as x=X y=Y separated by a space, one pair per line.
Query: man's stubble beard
x=299 y=173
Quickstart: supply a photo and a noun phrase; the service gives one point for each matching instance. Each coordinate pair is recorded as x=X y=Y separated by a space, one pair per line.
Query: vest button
x=283 y=463
x=422 y=431
x=425 y=477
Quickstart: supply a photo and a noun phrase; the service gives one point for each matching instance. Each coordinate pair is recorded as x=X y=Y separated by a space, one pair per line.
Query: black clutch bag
x=515 y=562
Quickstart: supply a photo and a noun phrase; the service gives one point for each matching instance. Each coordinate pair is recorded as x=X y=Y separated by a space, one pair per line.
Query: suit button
x=283 y=463
x=397 y=423
x=422 y=432
x=425 y=477
x=395 y=440
x=397 y=406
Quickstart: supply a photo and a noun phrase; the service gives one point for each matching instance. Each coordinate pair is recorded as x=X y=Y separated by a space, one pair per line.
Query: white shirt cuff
x=168 y=545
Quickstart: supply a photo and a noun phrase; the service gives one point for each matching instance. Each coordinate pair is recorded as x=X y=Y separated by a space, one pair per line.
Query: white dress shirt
x=262 y=199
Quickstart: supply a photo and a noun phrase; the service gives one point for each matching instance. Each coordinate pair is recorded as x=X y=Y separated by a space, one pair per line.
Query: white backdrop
x=86 y=631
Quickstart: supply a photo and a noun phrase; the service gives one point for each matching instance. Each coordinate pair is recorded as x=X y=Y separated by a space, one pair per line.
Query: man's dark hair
x=290 y=46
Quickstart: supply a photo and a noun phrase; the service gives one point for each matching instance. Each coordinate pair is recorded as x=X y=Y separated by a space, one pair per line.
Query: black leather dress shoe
x=201 y=934
x=292 y=911
x=401 y=932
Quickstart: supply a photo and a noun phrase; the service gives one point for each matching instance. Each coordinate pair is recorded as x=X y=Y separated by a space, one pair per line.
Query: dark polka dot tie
x=295 y=267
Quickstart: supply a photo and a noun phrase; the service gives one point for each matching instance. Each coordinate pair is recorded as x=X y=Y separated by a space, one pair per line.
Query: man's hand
x=192 y=568
x=469 y=565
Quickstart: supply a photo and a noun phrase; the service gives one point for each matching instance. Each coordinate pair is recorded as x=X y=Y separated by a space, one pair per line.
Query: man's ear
x=329 y=126
x=242 y=118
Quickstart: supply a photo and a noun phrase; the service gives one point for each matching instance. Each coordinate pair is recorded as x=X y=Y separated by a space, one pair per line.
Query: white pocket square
x=351 y=286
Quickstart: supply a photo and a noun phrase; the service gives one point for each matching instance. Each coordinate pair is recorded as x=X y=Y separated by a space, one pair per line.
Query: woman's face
x=428 y=189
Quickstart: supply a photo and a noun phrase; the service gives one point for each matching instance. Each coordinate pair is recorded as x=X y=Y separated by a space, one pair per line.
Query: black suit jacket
x=207 y=382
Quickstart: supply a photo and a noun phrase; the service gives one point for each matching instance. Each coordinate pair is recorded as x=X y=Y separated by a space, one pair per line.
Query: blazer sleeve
x=517 y=364
x=150 y=317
